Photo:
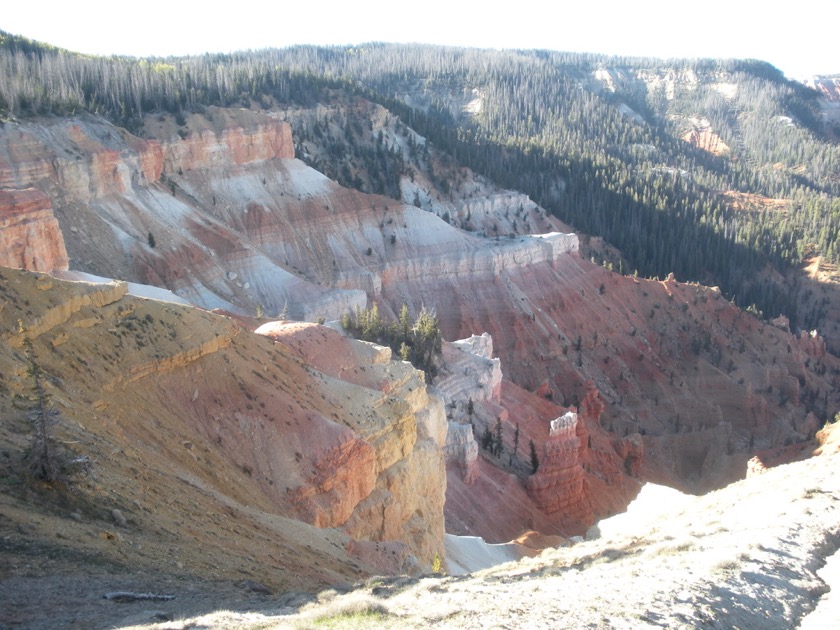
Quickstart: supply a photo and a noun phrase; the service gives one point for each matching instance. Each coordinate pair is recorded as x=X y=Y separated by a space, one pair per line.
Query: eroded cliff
x=223 y=451
x=30 y=237
x=219 y=211
x=493 y=490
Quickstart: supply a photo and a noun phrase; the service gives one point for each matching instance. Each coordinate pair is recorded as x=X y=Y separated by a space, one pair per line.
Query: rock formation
x=559 y=467
x=469 y=377
x=672 y=361
x=313 y=429
x=220 y=212
x=29 y=234
x=398 y=472
x=578 y=479
x=703 y=137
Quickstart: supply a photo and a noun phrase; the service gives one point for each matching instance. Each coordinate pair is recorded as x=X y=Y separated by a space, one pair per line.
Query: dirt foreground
x=746 y=556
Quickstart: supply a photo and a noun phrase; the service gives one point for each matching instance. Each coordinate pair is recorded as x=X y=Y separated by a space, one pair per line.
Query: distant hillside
x=637 y=151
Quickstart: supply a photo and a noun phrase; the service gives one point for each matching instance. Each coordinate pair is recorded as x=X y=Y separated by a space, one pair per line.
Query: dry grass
x=354 y=610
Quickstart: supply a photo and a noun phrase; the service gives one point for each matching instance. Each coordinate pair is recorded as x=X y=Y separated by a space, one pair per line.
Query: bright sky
x=798 y=38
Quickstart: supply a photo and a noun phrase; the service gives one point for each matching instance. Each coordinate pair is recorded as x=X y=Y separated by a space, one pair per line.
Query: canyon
x=237 y=432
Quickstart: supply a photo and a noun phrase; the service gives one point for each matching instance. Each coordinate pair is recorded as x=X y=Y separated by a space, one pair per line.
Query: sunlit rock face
x=296 y=423
x=560 y=467
x=30 y=237
x=381 y=477
x=468 y=376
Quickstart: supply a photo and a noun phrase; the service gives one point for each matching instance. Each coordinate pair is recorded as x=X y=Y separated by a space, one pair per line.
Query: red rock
x=755 y=467
x=678 y=364
x=381 y=475
x=234 y=145
x=30 y=237
x=583 y=477
x=558 y=485
x=703 y=137
x=343 y=473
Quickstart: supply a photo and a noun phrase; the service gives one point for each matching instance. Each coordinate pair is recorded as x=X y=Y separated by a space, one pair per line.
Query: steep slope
x=211 y=451
x=583 y=472
x=227 y=218
x=703 y=382
x=118 y=197
x=750 y=555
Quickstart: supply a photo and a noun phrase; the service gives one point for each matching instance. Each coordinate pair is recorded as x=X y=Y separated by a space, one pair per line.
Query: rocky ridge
x=195 y=447
x=226 y=217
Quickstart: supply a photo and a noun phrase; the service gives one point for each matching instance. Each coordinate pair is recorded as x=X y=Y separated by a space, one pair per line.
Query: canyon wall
x=30 y=237
x=220 y=212
x=124 y=212
x=297 y=423
x=700 y=382
x=582 y=473
x=226 y=217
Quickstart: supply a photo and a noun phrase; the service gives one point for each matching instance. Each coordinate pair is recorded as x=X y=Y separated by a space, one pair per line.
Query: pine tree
x=41 y=460
x=46 y=460
x=405 y=323
x=515 y=444
x=487 y=439
x=535 y=462
x=498 y=447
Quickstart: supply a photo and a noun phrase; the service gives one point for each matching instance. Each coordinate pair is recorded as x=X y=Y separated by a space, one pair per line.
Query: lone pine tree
x=535 y=462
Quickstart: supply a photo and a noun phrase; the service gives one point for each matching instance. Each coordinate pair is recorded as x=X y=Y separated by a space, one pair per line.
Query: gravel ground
x=746 y=556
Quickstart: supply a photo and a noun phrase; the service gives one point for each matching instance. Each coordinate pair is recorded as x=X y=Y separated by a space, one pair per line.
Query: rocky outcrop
x=469 y=372
x=207 y=149
x=86 y=159
x=702 y=136
x=385 y=478
x=586 y=474
x=71 y=300
x=142 y=209
x=306 y=428
x=462 y=450
x=558 y=485
x=30 y=237
x=469 y=381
